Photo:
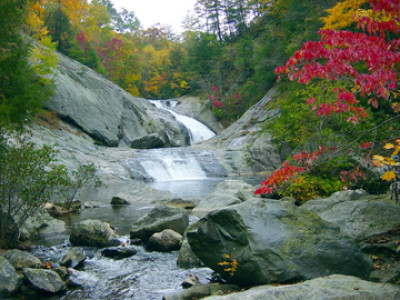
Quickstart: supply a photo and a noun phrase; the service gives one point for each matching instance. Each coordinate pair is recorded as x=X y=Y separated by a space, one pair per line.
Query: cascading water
x=198 y=131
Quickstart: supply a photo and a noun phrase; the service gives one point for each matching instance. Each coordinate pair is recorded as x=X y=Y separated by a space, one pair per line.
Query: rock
x=200 y=291
x=106 y=112
x=356 y=213
x=160 y=218
x=190 y=281
x=187 y=259
x=74 y=258
x=164 y=241
x=10 y=281
x=114 y=242
x=63 y=272
x=22 y=259
x=42 y=225
x=330 y=287
x=55 y=210
x=91 y=204
x=224 y=194
x=274 y=241
x=75 y=204
x=183 y=203
x=46 y=281
x=118 y=253
x=91 y=233
x=118 y=201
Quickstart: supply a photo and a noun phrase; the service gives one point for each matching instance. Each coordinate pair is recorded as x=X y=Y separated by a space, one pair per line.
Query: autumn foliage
x=363 y=63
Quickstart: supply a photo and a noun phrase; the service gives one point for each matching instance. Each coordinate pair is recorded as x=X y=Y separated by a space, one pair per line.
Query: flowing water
x=186 y=173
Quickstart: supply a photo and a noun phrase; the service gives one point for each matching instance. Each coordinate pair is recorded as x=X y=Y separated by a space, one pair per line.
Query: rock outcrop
x=357 y=213
x=22 y=259
x=108 y=113
x=330 y=287
x=274 y=241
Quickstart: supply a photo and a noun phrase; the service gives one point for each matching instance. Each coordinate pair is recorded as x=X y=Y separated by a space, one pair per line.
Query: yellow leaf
x=388 y=146
x=378 y=158
x=389 y=176
x=391 y=162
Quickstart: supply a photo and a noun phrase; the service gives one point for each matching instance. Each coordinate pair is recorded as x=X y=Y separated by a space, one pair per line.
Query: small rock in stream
x=118 y=253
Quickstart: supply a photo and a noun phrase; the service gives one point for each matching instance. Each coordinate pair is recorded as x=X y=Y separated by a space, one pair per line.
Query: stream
x=185 y=173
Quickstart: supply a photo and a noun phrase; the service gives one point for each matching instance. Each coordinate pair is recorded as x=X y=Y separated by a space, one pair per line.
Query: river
x=185 y=173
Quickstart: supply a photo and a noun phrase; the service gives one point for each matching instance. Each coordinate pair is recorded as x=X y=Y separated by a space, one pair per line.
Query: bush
x=28 y=178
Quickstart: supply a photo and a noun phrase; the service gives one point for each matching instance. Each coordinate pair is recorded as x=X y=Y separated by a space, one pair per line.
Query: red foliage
x=338 y=52
x=81 y=39
x=218 y=104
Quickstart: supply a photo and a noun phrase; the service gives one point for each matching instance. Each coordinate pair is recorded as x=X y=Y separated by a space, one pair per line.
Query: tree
x=354 y=74
x=28 y=177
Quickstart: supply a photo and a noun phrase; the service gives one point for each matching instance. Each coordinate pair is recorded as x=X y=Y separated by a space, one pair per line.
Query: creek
x=184 y=172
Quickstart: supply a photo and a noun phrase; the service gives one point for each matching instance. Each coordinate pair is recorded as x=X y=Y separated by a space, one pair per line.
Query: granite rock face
x=274 y=241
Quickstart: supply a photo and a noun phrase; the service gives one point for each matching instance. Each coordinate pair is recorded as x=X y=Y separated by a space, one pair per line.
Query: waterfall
x=197 y=130
x=175 y=164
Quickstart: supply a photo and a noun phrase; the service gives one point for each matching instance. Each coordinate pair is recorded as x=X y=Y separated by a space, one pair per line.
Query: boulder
x=330 y=287
x=107 y=113
x=118 y=201
x=91 y=233
x=274 y=241
x=42 y=225
x=186 y=258
x=225 y=193
x=356 y=213
x=74 y=258
x=10 y=281
x=160 y=218
x=46 y=281
x=200 y=291
x=164 y=241
x=22 y=259
x=118 y=253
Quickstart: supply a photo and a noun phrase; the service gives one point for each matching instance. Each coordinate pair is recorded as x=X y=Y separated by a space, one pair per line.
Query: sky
x=150 y=12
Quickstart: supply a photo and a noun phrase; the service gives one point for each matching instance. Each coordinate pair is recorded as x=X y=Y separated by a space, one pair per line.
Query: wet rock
x=46 y=281
x=187 y=258
x=10 y=281
x=118 y=253
x=119 y=201
x=75 y=205
x=55 y=210
x=224 y=194
x=355 y=212
x=330 y=287
x=158 y=219
x=190 y=281
x=164 y=241
x=74 y=258
x=42 y=225
x=200 y=291
x=22 y=259
x=63 y=272
x=183 y=203
x=274 y=241
x=91 y=233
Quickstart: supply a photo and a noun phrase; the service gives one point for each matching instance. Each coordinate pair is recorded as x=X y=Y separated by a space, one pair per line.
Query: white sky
x=150 y=12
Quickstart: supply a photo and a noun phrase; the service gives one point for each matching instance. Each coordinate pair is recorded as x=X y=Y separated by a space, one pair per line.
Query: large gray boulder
x=274 y=241
x=93 y=233
x=334 y=287
x=22 y=259
x=160 y=218
x=164 y=241
x=10 y=281
x=357 y=213
x=46 y=281
x=225 y=193
x=106 y=112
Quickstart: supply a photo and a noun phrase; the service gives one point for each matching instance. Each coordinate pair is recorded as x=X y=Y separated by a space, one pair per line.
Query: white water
x=198 y=131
